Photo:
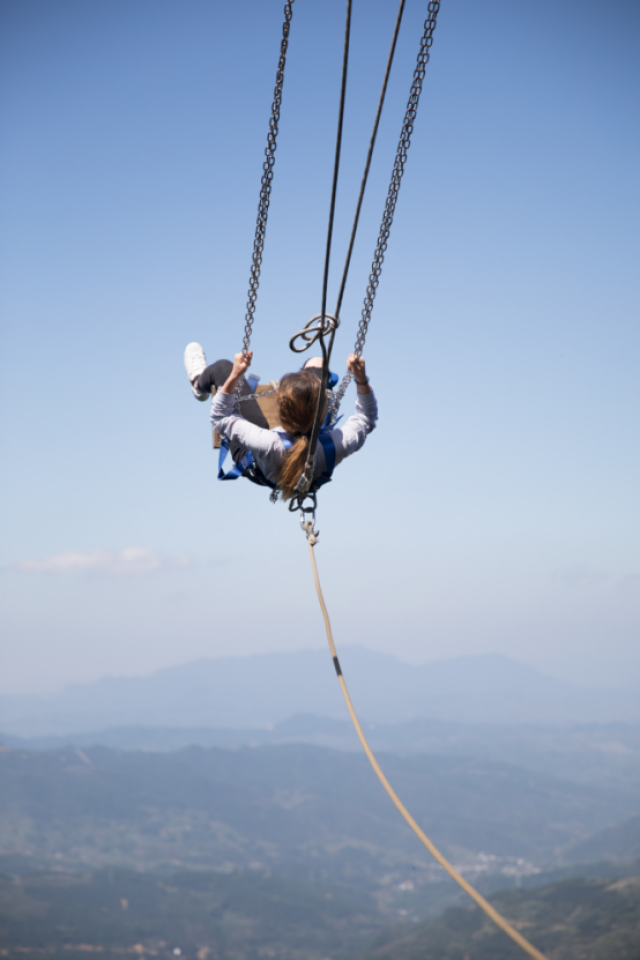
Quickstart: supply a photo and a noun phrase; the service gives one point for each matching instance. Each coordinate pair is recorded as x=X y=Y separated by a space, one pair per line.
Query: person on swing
x=280 y=453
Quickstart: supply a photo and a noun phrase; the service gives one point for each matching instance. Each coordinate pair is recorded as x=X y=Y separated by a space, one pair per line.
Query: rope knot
x=312 y=535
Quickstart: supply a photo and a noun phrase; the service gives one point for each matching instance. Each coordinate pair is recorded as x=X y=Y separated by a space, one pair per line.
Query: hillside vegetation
x=209 y=916
x=201 y=915
x=621 y=842
x=574 y=920
x=585 y=753
x=296 y=809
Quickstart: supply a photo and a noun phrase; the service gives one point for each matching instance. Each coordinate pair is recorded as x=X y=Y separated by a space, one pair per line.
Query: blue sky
x=495 y=508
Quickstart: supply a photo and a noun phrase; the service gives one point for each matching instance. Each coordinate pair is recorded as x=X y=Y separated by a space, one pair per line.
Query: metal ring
x=310 y=334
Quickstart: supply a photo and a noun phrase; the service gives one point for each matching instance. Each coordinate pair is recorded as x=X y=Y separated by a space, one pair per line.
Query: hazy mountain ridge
x=287 y=807
x=618 y=843
x=262 y=690
x=583 y=753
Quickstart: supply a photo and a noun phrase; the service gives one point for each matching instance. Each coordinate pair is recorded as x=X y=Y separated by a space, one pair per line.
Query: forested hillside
x=247 y=916
x=574 y=920
x=294 y=808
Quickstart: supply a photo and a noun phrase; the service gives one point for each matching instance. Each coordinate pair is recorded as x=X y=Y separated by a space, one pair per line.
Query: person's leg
x=216 y=375
x=194 y=363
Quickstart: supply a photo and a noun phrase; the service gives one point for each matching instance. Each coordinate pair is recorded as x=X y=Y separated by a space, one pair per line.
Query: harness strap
x=247 y=466
x=329 y=448
x=239 y=469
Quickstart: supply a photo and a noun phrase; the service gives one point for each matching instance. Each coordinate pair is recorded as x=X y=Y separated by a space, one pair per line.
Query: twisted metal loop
x=266 y=181
x=327 y=324
x=394 y=186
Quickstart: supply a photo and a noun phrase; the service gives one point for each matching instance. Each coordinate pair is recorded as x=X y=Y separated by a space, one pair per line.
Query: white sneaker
x=195 y=362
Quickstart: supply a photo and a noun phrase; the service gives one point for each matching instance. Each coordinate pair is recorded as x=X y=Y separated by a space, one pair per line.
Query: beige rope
x=433 y=850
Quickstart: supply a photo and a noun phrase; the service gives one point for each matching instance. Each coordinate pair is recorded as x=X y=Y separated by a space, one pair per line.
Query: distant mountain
x=584 y=753
x=619 y=843
x=263 y=690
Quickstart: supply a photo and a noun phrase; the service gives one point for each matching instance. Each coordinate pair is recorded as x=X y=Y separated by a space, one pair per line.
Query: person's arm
x=236 y=429
x=233 y=425
x=356 y=367
x=350 y=436
x=241 y=364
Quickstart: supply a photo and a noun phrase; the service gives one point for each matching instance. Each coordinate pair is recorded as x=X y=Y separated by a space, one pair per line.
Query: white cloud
x=132 y=561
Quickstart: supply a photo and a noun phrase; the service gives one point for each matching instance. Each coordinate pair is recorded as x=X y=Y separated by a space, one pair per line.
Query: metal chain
x=394 y=187
x=257 y=396
x=267 y=178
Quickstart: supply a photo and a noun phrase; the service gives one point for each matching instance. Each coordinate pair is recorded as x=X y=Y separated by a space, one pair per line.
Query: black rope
x=404 y=143
x=365 y=175
x=307 y=474
x=336 y=162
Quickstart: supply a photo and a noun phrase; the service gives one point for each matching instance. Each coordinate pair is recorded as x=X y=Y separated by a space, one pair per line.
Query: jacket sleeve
x=352 y=434
x=237 y=430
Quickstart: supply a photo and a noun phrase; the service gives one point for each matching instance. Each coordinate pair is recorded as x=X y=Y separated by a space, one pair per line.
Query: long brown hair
x=298 y=399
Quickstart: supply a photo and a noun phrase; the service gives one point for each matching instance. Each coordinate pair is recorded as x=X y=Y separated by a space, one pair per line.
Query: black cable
x=336 y=162
x=374 y=134
x=307 y=474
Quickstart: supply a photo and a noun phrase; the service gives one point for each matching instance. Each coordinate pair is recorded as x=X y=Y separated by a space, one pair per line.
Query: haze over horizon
x=261 y=692
x=625 y=681
x=494 y=509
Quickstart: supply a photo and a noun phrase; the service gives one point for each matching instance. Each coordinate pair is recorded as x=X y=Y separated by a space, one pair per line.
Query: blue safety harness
x=247 y=466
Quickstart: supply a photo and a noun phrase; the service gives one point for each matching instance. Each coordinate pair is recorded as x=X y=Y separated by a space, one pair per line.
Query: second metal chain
x=394 y=187
x=266 y=181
